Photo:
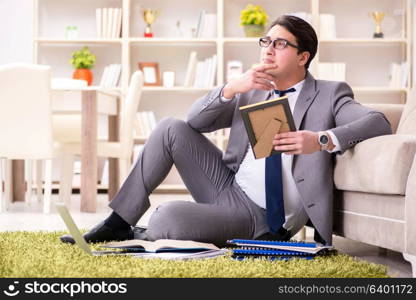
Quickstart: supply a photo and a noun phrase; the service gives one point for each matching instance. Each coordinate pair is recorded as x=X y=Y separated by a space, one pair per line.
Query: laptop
x=76 y=233
x=80 y=241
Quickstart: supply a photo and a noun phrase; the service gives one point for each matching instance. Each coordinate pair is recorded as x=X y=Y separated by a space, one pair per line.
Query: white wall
x=16 y=31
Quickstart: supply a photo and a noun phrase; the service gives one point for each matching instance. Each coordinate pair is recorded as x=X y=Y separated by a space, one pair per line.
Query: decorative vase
x=254 y=30
x=83 y=74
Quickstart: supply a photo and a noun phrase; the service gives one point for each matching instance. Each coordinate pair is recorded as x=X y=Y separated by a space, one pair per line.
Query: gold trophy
x=149 y=16
x=378 y=17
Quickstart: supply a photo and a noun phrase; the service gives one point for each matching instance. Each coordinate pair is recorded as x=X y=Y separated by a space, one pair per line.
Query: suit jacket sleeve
x=210 y=112
x=355 y=122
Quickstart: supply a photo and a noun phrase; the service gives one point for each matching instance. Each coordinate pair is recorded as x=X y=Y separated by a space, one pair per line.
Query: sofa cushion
x=378 y=165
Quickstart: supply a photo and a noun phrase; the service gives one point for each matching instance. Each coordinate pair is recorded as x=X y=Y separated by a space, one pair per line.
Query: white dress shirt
x=251 y=178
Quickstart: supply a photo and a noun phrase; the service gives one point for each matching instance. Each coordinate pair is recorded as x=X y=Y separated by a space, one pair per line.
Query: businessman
x=236 y=195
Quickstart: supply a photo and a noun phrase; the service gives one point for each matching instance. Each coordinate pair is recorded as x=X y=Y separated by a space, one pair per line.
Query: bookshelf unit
x=367 y=60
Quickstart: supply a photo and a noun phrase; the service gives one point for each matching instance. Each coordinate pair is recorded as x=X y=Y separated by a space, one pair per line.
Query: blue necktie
x=274 y=187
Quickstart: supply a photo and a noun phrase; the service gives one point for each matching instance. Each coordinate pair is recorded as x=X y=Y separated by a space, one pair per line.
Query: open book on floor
x=167 y=249
x=137 y=248
x=163 y=245
x=181 y=255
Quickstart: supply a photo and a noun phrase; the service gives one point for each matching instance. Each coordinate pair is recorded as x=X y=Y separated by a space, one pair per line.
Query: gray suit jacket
x=321 y=105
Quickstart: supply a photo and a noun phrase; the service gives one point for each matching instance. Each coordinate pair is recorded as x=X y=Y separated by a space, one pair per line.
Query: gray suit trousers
x=222 y=210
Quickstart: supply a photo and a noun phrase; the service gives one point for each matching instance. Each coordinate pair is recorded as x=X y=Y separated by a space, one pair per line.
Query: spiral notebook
x=245 y=252
x=277 y=249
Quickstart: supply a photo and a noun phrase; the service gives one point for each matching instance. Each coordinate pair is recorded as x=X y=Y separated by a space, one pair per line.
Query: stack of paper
x=111 y=76
x=276 y=249
x=108 y=22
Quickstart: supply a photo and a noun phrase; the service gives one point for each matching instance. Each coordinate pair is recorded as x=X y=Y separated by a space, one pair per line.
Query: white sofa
x=375 y=200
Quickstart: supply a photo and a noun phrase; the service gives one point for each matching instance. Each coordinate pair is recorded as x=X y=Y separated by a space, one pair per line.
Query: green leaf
x=253 y=15
x=82 y=59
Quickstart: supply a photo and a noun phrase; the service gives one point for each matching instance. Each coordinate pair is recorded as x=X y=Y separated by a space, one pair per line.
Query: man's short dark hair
x=304 y=33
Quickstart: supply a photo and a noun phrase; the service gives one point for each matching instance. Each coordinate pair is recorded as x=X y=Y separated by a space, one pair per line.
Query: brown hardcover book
x=263 y=120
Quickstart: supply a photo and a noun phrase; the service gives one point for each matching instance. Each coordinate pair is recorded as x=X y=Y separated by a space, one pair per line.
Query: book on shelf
x=108 y=22
x=98 y=22
x=263 y=120
x=212 y=71
x=145 y=123
x=332 y=71
x=103 y=22
x=207 y=25
x=205 y=72
x=198 y=74
x=111 y=76
x=191 y=69
x=398 y=75
x=327 y=26
x=200 y=23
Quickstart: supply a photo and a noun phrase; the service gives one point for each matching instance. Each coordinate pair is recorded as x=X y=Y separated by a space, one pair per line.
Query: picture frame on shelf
x=151 y=73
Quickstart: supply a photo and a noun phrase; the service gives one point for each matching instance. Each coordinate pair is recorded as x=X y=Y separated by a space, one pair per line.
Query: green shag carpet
x=41 y=254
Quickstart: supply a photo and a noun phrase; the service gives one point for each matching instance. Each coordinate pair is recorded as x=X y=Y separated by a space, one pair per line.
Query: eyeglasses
x=278 y=43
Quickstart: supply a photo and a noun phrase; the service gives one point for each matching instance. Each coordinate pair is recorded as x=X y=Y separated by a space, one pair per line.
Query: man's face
x=287 y=60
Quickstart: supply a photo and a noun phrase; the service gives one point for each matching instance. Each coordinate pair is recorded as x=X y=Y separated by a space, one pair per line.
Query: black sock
x=116 y=222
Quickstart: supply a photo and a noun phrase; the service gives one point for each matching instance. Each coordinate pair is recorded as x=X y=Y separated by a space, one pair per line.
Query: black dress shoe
x=282 y=235
x=101 y=233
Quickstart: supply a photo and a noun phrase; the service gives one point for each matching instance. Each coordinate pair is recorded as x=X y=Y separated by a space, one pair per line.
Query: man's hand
x=298 y=142
x=255 y=78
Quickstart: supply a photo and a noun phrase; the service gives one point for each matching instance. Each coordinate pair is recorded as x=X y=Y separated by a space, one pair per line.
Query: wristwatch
x=323 y=140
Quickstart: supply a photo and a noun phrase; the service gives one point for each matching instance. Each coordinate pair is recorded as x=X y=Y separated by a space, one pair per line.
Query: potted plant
x=253 y=18
x=83 y=60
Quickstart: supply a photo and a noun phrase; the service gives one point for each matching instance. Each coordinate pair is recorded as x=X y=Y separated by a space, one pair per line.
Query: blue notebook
x=276 y=250
x=301 y=247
